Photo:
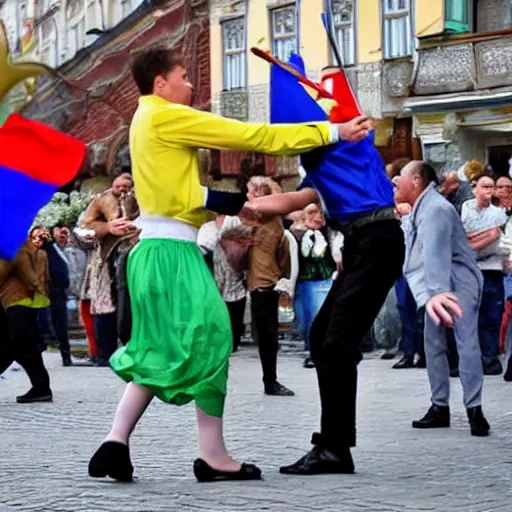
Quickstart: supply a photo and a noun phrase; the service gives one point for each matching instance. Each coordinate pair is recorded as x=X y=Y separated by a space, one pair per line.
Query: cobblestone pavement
x=45 y=447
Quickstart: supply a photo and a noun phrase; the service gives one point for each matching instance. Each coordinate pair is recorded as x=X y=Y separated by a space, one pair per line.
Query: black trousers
x=373 y=256
x=59 y=310
x=236 y=314
x=265 y=321
x=124 y=312
x=18 y=342
x=105 y=332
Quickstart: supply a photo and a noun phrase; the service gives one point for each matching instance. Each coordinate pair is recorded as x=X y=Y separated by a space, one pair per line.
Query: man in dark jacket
x=59 y=284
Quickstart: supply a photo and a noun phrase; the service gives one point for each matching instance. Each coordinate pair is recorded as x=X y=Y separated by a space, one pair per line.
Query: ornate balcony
x=235 y=104
x=464 y=63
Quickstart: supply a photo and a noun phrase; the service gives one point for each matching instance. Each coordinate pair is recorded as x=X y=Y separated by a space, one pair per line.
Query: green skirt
x=181 y=334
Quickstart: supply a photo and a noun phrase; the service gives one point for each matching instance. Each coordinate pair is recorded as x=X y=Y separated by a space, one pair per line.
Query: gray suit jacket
x=438 y=256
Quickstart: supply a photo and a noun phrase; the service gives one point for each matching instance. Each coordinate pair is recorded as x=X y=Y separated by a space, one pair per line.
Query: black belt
x=347 y=228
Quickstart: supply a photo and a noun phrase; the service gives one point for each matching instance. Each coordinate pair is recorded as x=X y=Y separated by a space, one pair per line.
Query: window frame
x=274 y=38
x=408 y=14
x=227 y=53
x=455 y=26
x=342 y=25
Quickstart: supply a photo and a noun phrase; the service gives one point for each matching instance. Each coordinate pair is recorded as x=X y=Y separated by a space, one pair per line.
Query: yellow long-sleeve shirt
x=165 y=137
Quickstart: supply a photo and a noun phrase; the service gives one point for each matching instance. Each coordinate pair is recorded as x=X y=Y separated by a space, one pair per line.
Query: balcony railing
x=464 y=63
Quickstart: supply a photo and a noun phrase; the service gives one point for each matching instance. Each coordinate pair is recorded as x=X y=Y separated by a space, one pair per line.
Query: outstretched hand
x=444 y=308
x=355 y=129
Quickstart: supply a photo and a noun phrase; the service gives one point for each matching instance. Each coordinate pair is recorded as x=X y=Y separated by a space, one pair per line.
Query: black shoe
x=454 y=373
x=93 y=360
x=205 y=473
x=277 y=389
x=321 y=461
x=405 y=362
x=35 y=396
x=388 y=354
x=420 y=363
x=494 y=368
x=436 y=417
x=103 y=363
x=479 y=425
x=508 y=374
x=66 y=361
x=112 y=459
x=308 y=362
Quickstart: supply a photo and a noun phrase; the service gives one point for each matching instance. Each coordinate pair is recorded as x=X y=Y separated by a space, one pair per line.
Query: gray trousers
x=466 y=337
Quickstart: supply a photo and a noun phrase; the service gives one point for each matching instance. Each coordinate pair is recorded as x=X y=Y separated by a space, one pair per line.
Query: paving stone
x=45 y=448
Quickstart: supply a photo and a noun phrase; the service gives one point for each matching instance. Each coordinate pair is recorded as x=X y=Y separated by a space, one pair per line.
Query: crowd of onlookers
x=266 y=267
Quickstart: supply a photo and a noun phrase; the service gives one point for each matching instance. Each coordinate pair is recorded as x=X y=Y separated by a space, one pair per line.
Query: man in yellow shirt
x=181 y=335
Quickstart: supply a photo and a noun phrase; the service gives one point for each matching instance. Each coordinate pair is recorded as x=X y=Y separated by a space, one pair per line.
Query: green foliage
x=63 y=208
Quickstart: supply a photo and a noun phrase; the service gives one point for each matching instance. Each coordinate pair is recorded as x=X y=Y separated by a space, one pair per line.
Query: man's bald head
x=414 y=178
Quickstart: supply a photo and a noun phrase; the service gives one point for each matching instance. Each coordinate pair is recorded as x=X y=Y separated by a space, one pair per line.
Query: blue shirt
x=350 y=179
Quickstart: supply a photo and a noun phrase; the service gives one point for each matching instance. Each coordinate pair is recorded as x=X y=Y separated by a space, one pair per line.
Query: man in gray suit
x=442 y=273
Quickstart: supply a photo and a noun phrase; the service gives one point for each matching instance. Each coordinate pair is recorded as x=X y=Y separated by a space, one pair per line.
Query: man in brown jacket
x=22 y=291
x=269 y=261
x=110 y=216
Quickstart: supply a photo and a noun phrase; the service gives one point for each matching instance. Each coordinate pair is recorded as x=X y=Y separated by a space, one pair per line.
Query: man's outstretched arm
x=185 y=126
x=282 y=204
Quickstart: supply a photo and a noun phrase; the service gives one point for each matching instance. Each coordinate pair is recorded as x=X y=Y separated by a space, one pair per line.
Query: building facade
x=461 y=91
x=92 y=95
x=399 y=56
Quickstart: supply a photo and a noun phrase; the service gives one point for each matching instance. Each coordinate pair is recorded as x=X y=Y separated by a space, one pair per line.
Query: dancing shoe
x=34 y=395
x=321 y=461
x=112 y=459
x=436 y=417
x=278 y=389
x=405 y=362
x=205 y=473
x=479 y=425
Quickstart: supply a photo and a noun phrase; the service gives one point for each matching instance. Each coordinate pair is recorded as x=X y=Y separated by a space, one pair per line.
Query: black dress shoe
x=493 y=368
x=420 y=363
x=112 y=459
x=277 y=389
x=320 y=461
x=308 y=362
x=35 y=396
x=66 y=361
x=454 y=373
x=508 y=374
x=405 y=362
x=388 y=354
x=479 y=425
x=205 y=473
x=436 y=417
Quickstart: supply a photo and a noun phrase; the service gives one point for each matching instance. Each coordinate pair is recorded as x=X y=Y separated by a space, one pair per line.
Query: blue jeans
x=411 y=318
x=490 y=316
x=309 y=297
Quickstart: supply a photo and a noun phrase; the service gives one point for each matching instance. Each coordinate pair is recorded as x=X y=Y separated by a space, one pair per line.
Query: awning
x=454 y=102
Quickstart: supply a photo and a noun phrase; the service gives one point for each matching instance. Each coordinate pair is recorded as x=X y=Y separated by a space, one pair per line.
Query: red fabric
x=347 y=108
x=40 y=152
x=504 y=325
x=88 y=321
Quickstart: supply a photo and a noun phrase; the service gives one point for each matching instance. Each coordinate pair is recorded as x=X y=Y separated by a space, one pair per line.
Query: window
x=233 y=42
x=456 y=17
x=284 y=31
x=343 y=22
x=75 y=19
x=397 y=28
x=128 y=7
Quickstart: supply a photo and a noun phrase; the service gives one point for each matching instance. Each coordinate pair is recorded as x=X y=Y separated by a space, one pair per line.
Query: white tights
x=135 y=401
